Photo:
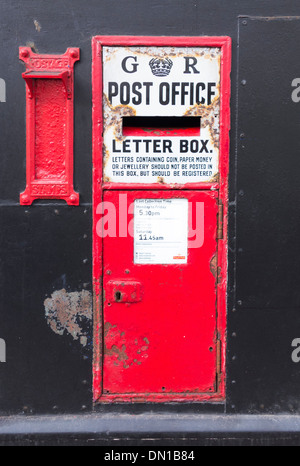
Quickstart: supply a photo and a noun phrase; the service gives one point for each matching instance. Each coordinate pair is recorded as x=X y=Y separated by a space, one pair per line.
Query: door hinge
x=220 y=221
x=218 y=363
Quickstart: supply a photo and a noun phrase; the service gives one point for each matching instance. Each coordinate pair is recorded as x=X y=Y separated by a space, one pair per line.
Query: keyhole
x=118 y=295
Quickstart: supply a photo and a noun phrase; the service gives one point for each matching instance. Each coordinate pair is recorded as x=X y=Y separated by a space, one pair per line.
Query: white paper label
x=160 y=231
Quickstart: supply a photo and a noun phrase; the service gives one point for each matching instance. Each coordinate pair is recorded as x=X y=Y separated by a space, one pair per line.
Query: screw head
x=74 y=53
x=25 y=198
x=24 y=53
x=73 y=198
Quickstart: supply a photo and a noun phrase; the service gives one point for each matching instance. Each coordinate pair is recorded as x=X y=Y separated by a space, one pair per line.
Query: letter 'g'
x=133 y=65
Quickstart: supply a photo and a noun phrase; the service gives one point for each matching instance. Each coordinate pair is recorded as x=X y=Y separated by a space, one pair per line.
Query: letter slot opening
x=161 y=126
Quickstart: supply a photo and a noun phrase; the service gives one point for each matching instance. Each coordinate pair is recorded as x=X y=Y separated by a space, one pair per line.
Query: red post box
x=160 y=154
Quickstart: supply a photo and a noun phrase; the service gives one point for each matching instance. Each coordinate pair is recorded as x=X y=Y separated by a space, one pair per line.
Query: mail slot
x=160 y=153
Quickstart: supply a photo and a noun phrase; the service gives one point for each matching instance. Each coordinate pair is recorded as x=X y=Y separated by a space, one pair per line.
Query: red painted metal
x=123 y=291
x=166 y=341
x=49 y=126
x=168 y=285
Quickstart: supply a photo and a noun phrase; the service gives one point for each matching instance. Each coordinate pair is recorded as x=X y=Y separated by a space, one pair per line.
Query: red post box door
x=159 y=310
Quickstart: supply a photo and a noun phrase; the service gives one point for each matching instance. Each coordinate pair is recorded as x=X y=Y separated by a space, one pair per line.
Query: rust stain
x=215 y=178
x=129 y=351
x=160 y=179
x=113 y=117
x=214 y=268
x=209 y=118
x=106 y=155
x=120 y=352
x=32 y=46
x=37 y=25
x=162 y=52
x=69 y=312
x=107 y=327
x=213 y=265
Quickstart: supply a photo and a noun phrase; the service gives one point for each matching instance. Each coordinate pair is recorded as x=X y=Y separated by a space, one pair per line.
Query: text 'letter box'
x=160 y=154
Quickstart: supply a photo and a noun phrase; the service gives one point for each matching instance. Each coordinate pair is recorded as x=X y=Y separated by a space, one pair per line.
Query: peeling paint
x=113 y=117
x=214 y=268
x=121 y=349
x=37 y=25
x=32 y=46
x=215 y=178
x=209 y=118
x=153 y=51
x=69 y=312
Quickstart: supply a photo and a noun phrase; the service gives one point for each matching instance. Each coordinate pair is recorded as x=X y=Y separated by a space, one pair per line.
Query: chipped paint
x=209 y=118
x=32 y=45
x=37 y=25
x=120 y=348
x=214 y=268
x=207 y=53
x=215 y=178
x=69 y=312
x=113 y=117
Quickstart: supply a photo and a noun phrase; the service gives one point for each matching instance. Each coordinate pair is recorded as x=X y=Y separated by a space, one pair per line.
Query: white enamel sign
x=161 y=82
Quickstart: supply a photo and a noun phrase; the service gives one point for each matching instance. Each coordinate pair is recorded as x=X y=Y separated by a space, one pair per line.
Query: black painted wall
x=48 y=246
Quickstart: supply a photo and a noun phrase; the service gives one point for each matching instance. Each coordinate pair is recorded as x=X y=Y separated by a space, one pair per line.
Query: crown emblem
x=160 y=66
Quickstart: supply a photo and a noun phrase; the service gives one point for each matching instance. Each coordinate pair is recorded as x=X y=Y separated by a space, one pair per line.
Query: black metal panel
x=264 y=319
x=268 y=165
x=43 y=250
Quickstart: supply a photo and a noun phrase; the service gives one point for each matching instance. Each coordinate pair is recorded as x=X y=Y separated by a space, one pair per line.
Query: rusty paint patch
x=69 y=312
x=213 y=265
x=215 y=178
x=209 y=118
x=113 y=117
x=161 y=52
x=31 y=44
x=214 y=268
x=123 y=350
x=120 y=352
x=37 y=25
